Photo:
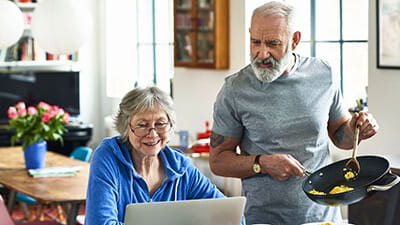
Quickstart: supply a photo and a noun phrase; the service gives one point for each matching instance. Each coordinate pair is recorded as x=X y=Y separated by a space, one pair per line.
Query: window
x=337 y=31
x=139 y=44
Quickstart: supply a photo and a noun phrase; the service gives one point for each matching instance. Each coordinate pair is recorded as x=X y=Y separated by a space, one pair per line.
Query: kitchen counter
x=394 y=161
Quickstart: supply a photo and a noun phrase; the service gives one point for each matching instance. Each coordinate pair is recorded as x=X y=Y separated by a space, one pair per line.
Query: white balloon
x=60 y=26
x=11 y=23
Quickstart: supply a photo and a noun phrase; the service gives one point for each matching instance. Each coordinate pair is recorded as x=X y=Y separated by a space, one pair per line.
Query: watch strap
x=257 y=159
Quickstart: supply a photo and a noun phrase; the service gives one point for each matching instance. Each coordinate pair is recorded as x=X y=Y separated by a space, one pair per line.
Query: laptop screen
x=220 y=211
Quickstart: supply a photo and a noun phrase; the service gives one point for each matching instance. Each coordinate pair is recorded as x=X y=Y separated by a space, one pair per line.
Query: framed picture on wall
x=388 y=33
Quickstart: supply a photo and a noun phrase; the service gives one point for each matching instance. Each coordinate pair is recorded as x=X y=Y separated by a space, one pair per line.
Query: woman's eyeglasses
x=143 y=131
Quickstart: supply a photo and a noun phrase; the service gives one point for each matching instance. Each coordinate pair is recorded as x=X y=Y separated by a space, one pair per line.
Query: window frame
x=313 y=41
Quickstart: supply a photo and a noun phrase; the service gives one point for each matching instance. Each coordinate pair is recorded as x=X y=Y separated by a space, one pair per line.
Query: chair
x=6 y=218
x=82 y=153
x=24 y=201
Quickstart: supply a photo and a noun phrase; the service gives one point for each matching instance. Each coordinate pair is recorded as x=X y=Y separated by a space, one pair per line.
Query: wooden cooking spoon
x=352 y=168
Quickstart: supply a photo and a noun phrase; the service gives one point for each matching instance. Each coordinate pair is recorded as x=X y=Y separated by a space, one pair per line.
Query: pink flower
x=32 y=110
x=20 y=105
x=66 y=117
x=53 y=112
x=12 y=112
x=46 y=117
x=21 y=112
x=44 y=105
x=61 y=112
x=55 y=107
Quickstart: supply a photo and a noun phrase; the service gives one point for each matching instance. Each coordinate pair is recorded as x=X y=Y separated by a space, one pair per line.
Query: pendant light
x=11 y=23
x=60 y=26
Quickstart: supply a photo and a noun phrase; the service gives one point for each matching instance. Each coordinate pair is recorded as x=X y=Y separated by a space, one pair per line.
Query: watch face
x=257 y=168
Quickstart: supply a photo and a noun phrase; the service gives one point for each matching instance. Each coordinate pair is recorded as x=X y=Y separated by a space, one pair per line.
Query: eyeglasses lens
x=144 y=131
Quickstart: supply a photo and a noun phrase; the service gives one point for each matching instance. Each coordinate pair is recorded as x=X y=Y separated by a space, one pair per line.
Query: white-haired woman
x=138 y=166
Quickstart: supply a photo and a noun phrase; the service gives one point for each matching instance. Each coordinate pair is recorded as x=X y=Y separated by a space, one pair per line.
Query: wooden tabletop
x=13 y=158
x=46 y=190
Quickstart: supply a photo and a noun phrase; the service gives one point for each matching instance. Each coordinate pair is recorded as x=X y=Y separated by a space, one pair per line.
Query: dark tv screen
x=55 y=88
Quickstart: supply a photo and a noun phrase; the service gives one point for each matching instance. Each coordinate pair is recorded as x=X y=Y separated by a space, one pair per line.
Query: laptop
x=219 y=211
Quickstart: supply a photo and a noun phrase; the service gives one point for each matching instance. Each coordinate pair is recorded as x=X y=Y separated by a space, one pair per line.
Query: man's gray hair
x=277 y=8
x=139 y=100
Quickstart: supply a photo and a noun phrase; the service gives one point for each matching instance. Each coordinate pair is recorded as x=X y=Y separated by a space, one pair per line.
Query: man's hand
x=281 y=166
x=367 y=124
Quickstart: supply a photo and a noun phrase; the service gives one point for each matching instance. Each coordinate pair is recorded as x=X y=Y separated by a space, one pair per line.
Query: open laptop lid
x=220 y=211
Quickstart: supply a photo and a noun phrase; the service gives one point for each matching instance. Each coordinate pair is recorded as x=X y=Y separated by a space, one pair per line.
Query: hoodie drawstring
x=176 y=189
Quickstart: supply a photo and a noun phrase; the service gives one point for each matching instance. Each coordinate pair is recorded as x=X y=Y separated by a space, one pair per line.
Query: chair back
x=82 y=153
x=25 y=199
x=5 y=217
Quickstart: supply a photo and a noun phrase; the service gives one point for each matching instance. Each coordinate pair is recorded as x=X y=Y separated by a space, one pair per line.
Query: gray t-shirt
x=286 y=116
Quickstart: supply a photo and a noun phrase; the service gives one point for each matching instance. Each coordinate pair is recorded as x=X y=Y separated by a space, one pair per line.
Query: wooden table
x=46 y=190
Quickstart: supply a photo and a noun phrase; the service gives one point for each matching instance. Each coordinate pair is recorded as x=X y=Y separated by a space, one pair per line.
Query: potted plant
x=34 y=125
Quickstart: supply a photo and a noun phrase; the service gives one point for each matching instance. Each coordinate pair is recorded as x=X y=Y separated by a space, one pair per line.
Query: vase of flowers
x=33 y=126
x=35 y=155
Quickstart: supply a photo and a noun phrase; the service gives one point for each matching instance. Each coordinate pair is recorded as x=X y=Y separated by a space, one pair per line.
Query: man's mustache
x=268 y=60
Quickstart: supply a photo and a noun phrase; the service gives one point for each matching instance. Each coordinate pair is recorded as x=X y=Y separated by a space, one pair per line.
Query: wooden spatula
x=352 y=168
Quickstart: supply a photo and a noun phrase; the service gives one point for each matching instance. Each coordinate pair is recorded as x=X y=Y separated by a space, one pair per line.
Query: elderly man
x=281 y=110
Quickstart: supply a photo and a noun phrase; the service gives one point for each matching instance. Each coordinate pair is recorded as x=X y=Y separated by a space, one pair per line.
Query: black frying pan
x=374 y=176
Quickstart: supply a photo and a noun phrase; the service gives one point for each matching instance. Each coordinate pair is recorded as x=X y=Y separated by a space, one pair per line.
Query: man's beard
x=277 y=68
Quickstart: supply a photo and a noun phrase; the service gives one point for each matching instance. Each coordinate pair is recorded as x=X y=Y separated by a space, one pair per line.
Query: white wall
x=94 y=103
x=383 y=98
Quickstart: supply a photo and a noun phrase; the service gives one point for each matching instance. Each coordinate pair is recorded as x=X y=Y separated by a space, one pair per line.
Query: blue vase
x=35 y=155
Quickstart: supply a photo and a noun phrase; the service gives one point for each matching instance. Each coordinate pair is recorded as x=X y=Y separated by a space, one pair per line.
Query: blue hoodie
x=114 y=183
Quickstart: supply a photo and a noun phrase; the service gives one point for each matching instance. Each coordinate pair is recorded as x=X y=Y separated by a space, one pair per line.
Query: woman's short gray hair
x=276 y=8
x=139 y=100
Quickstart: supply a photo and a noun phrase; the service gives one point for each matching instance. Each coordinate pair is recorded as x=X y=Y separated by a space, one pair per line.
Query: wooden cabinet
x=201 y=33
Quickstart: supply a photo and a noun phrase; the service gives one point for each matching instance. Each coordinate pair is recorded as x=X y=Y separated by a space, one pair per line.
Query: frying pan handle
x=385 y=187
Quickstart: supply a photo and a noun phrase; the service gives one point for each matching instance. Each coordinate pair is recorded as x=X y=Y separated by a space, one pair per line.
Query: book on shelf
x=38 y=53
x=27 y=49
x=184 y=47
x=12 y=53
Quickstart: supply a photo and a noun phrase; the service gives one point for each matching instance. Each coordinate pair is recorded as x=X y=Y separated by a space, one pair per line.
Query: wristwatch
x=256 y=164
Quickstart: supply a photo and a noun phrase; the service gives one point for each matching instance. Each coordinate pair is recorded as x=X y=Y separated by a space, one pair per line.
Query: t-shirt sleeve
x=338 y=108
x=226 y=120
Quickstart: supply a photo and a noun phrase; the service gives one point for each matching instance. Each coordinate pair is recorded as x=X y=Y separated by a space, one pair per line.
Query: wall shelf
x=17 y=66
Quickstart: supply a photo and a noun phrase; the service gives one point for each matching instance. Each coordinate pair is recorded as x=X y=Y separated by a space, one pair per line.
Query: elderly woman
x=137 y=166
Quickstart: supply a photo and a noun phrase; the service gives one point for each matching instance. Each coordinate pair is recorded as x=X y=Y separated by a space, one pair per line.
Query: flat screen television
x=54 y=87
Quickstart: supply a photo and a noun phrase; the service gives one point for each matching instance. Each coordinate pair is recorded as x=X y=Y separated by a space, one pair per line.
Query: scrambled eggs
x=340 y=189
x=349 y=174
x=315 y=192
x=335 y=190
